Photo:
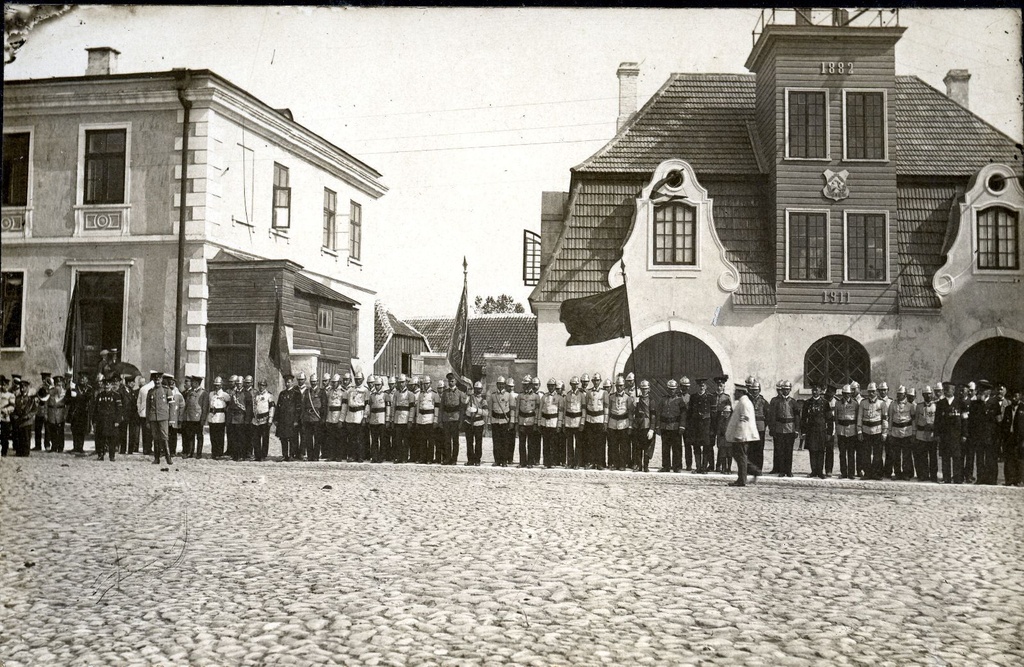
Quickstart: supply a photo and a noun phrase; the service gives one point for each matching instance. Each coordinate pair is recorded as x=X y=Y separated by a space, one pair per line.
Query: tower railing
x=834 y=17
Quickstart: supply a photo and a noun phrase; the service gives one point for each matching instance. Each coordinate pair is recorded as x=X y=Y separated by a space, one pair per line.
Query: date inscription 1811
x=828 y=67
x=835 y=296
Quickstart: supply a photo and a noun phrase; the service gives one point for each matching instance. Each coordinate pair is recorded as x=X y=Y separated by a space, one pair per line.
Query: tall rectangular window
x=865 y=125
x=330 y=219
x=282 y=198
x=998 y=245
x=675 y=235
x=807 y=124
x=16 y=164
x=12 y=301
x=807 y=246
x=867 y=247
x=104 y=166
x=355 y=243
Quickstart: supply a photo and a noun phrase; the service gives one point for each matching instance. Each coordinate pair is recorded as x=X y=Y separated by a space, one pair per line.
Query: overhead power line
x=459 y=134
x=488 y=106
x=469 y=148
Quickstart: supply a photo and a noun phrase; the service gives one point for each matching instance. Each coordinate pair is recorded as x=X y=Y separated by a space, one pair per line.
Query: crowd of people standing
x=340 y=417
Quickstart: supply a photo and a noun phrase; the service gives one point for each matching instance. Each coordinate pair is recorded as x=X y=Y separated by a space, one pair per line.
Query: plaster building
x=100 y=173
x=819 y=219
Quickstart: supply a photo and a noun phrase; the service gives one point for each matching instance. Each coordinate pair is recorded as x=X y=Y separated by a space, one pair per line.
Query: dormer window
x=675 y=235
x=806 y=124
x=998 y=245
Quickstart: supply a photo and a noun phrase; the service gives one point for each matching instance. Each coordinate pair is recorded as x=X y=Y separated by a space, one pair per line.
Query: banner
x=279 y=342
x=460 y=352
x=597 y=318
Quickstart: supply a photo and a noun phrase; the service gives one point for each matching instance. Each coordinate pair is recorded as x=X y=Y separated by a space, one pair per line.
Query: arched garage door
x=997 y=359
x=671 y=355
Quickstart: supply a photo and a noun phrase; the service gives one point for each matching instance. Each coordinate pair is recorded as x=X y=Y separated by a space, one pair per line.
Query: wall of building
x=390 y=360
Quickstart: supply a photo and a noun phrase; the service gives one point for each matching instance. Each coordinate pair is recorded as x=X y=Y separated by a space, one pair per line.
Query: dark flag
x=460 y=352
x=279 y=342
x=71 y=329
x=597 y=318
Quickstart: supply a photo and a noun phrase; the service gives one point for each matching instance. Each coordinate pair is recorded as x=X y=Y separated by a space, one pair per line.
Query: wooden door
x=100 y=317
x=672 y=355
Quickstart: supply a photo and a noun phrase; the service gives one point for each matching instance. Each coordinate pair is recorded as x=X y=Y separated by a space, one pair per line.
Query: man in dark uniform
x=671 y=417
x=783 y=422
x=755 y=451
x=830 y=445
x=80 y=397
x=816 y=428
x=720 y=414
x=949 y=422
x=698 y=427
x=109 y=412
x=452 y=400
x=237 y=407
x=983 y=431
x=1013 y=441
x=197 y=411
x=42 y=397
x=287 y=416
x=121 y=386
x=644 y=423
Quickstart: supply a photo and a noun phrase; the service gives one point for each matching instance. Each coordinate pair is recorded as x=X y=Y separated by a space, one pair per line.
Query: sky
x=470 y=114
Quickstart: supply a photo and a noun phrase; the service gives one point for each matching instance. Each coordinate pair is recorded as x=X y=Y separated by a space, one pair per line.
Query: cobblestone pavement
x=219 y=563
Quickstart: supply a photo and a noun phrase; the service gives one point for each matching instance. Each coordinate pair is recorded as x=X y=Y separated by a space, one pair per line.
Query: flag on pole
x=71 y=329
x=597 y=318
x=460 y=352
x=279 y=342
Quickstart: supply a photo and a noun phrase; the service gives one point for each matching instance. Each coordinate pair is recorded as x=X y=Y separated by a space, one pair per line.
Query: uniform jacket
x=924 y=420
x=1013 y=424
x=620 y=411
x=551 y=410
x=846 y=417
x=527 y=408
x=984 y=419
x=699 y=415
x=219 y=402
x=721 y=412
x=354 y=401
x=334 y=404
x=312 y=405
x=109 y=409
x=288 y=412
x=500 y=407
x=950 y=417
x=672 y=412
x=80 y=405
x=816 y=422
x=596 y=406
x=240 y=407
x=742 y=426
x=783 y=415
x=760 y=404
x=377 y=404
x=177 y=414
x=7 y=400
x=476 y=410
x=262 y=405
x=573 y=406
x=56 y=406
x=403 y=403
x=25 y=409
x=901 y=419
x=428 y=407
x=872 y=417
x=452 y=400
x=643 y=415
x=197 y=405
x=141 y=399
x=159 y=403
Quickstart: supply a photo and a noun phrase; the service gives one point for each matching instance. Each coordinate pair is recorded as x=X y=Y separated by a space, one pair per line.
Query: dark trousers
x=238 y=438
x=969 y=453
x=400 y=442
x=744 y=465
x=784 y=446
x=309 y=440
x=134 y=434
x=192 y=439
x=817 y=457
x=499 y=433
x=573 y=447
x=217 y=440
x=703 y=448
x=618 y=448
x=106 y=440
x=289 y=442
x=147 y=437
x=159 y=431
x=776 y=456
x=1013 y=463
x=952 y=459
x=723 y=463
x=847 y=456
x=55 y=436
x=892 y=463
x=593 y=451
x=988 y=460
x=672 y=451
x=418 y=442
x=376 y=432
x=902 y=463
x=525 y=435
x=5 y=437
x=330 y=446
x=40 y=426
x=550 y=436
x=22 y=440
x=869 y=456
x=919 y=450
x=260 y=434
x=172 y=439
x=78 y=433
x=450 y=442
x=474 y=443
x=755 y=452
x=830 y=453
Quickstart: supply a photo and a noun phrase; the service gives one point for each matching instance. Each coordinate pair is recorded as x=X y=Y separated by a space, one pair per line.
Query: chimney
x=956 y=86
x=627 y=74
x=102 y=61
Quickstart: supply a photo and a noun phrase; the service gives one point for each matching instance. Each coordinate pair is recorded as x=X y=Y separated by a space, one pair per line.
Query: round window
x=996 y=183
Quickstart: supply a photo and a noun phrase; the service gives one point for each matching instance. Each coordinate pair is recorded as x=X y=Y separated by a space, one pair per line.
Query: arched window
x=998 y=245
x=675 y=235
x=836 y=360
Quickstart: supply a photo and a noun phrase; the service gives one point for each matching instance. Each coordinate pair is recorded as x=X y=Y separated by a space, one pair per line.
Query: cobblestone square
x=218 y=563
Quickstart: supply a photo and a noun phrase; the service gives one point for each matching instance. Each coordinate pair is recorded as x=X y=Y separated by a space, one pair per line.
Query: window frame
x=24 y=309
x=30 y=131
x=828 y=246
x=978 y=268
x=885 y=125
x=828 y=124
x=654 y=236
x=846 y=247
x=83 y=130
x=285 y=189
x=324 y=319
x=355 y=233
x=330 y=229
x=833 y=340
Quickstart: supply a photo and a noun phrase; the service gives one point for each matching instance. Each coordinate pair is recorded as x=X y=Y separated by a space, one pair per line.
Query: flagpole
x=632 y=348
x=465 y=290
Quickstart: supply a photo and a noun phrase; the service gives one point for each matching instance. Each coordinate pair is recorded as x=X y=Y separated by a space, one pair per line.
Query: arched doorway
x=671 y=355
x=997 y=359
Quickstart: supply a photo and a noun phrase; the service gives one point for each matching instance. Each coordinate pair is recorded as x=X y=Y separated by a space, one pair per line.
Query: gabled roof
x=706 y=119
x=387 y=325
x=311 y=287
x=491 y=334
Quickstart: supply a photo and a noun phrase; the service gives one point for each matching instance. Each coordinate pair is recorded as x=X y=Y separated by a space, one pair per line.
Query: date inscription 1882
x=828 y=67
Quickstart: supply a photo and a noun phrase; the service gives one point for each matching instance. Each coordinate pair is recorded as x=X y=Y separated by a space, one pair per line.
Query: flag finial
x=465 y=266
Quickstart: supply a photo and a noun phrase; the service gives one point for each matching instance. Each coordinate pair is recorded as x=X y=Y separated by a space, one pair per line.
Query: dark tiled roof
x=935 y=136
x=921 y=227
x=699 y=117
x=490 y=334
x=745 y=228
x=310 y=286
x=387 y=325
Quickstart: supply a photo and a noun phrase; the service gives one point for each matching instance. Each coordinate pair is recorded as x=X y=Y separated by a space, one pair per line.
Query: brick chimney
x=627 y=74
x=102 y=61
x=956 y=86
